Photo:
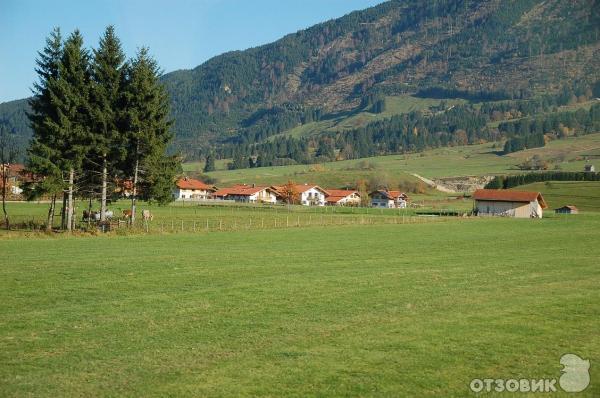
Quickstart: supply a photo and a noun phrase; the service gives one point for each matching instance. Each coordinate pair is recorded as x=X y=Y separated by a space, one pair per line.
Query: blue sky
x=181 y=34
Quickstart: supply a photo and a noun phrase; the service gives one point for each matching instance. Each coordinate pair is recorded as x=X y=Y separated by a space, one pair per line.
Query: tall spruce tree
x=210 y=163
x=44 y=158
x=70 y=93
x=106 y=72
x=148 y=130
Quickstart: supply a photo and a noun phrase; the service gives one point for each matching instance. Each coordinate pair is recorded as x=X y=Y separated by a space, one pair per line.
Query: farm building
x=520 y=204
x=247 y=194
x=569 y=209
x=189 y=188
x=589 y=168
x=343 y=197
x=389 y=199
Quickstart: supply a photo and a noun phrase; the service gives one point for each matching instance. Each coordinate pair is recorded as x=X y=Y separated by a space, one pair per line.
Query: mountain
x=476 y=50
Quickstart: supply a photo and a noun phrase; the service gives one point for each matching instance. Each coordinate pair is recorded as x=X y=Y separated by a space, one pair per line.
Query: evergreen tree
x=106 y=72
x=147 y=128
x=210 y=163
x=71 y=94
x=44 y=157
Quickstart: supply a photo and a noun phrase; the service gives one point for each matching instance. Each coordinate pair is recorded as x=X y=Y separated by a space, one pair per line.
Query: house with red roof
x=192 y=189
x=389 y=199
x=308 y=195
x=343 y=197
x=508 y=203
x=15 y=176
x=247 y=194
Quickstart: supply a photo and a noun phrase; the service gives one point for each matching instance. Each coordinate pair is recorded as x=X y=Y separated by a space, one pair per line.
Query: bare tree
x=8 y=155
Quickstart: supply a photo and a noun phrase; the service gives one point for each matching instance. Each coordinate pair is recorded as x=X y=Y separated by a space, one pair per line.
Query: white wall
x=508 y=209
x=312 y=195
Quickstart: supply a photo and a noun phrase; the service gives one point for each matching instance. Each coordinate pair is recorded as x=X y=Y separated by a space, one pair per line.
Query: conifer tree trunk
x=4 y=183
x=51 y=210
x=89 y=218
x=70 y=200
x=73 y=213
x=134 y=195
x=63 y=212
x=104 y=189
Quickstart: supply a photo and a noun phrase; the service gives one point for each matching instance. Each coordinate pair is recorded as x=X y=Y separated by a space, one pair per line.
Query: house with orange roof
x=192 y=189
x=247 y=194
x=15 y=176
x=310 y=195
x=507 y=203
x=389 y=199
x=343 y=197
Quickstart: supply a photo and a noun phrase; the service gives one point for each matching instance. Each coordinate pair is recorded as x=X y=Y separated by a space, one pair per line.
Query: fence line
x=233 y=219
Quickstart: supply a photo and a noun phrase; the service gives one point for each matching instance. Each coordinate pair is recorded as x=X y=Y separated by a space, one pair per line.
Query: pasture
x=228 y=216
x=369 y=310
x=472 y=160
x=583 y=194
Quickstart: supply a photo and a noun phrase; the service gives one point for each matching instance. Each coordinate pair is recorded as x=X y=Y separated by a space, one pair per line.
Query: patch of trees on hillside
x=507 y=182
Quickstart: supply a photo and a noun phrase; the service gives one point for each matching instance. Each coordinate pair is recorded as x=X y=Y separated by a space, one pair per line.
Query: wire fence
x=233 y=221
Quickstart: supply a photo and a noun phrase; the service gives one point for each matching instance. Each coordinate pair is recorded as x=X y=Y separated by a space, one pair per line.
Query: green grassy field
x=570 y=155
x=194 y=217
x=583 y=194
x=392 y=310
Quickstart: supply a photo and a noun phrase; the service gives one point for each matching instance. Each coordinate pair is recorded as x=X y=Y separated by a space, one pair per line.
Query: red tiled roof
x=240 y=190
x=301 y=188
x=14 y=169
x=392 y=194
x=335 y=195
x=501 y=195
x=191 y=183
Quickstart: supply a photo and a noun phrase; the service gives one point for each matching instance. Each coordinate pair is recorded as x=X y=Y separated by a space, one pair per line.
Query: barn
x=568 y=209
x=519 y=204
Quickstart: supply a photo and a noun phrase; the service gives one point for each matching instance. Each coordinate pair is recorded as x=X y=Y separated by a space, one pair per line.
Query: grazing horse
x=147 y=215
x=127 y=213
x=109 y=214
x=90 y=215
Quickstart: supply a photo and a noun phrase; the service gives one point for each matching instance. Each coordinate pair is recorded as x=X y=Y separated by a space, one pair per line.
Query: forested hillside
x=494 y=54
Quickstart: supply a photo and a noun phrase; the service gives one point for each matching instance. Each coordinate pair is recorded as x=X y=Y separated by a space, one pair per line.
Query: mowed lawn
x=392 y=310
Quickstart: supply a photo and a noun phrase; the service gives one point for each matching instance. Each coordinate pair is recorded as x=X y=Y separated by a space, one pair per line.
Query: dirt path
x=432 y=184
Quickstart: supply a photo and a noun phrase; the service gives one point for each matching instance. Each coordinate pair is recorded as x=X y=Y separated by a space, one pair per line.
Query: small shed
x=589 y=168
x=499 y=202
x=568 y=209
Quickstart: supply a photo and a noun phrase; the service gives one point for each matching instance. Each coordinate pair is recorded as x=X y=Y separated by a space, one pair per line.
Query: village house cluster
x=190 y=189
x=487 y=202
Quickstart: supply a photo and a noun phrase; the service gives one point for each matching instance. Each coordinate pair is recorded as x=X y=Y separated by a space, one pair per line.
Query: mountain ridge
x=513 y=49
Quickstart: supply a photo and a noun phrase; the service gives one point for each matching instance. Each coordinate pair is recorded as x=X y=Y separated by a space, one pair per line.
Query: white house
x=311 y=195
x=192 y=189
x=498 y=202
x=247 y=194
x=389 y=199
x=343 y=197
